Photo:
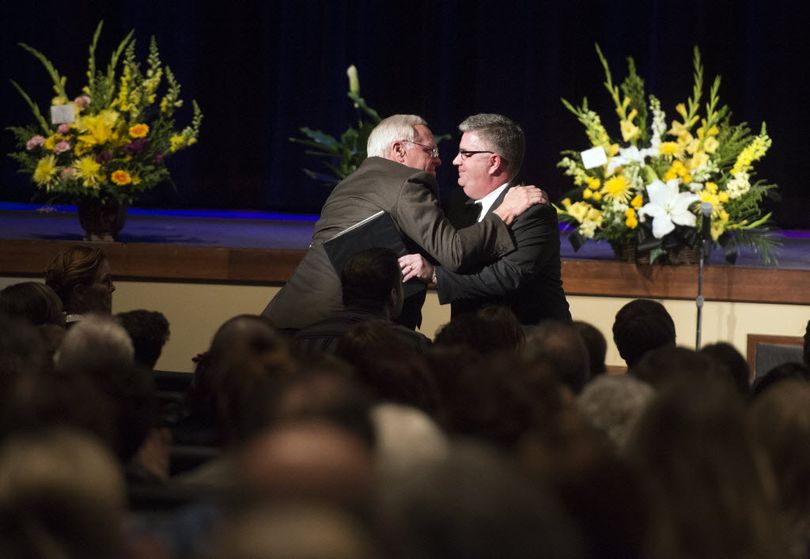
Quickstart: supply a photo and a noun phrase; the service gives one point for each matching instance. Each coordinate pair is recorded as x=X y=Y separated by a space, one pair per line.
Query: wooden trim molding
x=600 y=278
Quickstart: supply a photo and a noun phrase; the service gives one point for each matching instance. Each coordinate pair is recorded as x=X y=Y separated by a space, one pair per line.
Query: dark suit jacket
x=410 y=197
x=527 y=280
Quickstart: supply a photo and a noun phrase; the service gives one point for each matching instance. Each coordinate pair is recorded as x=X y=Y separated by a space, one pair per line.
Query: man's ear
x=496 y=166
x=398 y=152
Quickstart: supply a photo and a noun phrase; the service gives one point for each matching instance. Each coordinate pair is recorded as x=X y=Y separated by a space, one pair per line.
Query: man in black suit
x=527 y=279
x=398 y=177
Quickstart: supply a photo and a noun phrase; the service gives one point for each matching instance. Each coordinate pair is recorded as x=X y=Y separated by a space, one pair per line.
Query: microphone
x=706 y=211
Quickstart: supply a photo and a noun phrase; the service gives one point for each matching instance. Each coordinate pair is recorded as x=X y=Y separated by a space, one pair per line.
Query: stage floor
x=265 y=230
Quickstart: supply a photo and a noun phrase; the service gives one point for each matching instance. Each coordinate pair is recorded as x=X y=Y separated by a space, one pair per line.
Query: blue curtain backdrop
x=260 y=69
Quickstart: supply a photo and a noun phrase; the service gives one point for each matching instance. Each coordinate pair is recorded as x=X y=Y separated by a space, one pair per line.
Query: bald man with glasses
x=398 y=177
x=526 y=279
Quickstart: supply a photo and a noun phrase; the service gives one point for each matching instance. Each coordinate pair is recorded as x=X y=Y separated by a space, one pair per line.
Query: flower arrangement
x=345 y=154
x=110 y=142
x=657 y=188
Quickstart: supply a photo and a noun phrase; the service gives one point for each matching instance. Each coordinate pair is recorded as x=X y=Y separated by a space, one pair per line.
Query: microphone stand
x=706 y=211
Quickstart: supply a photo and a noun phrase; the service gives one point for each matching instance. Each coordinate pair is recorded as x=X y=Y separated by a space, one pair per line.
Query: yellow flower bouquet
x=111 y=141
x=662 y=184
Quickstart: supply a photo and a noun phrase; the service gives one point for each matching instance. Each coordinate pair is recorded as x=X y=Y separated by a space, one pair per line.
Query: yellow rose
x=587 y=193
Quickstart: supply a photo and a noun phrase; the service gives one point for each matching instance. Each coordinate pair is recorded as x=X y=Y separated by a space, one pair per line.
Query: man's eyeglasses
x=464 y=153
x=431 y=151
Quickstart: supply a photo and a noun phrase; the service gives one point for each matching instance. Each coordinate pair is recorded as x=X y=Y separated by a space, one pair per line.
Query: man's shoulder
x=391 y=170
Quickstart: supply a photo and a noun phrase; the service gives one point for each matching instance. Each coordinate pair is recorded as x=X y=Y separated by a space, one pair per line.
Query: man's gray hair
x=503 y=136
x=95 y=336
x=391 y=129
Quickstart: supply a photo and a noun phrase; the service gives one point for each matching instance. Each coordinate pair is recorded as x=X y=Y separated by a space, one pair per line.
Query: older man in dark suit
x=526 y=279
x=399 y=178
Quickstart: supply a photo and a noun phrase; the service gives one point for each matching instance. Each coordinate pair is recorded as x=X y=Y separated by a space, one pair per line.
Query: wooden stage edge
x=599 y=278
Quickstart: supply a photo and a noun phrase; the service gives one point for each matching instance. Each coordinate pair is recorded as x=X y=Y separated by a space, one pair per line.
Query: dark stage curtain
x=261 y=69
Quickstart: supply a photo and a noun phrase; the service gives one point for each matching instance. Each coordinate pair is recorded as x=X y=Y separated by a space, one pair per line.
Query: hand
x=415 y=266
x=518 y=199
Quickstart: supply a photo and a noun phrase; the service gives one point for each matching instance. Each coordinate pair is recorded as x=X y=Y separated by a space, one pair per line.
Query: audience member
x=559 y=345
x=61 y=495
x=287 y=464
x=806 y=352
x=595 y=343
x=704 y=476
x=100 y=342
x=727 y=355
x=779 y=374
x=371 y=284
x=81 y=278
x=34 y=302
x=294 y=531
x=407 y=441
x=640 y=326
x=614 y=403
x=474 y=504
x=491 y=329
x=780 y=422
x=149 y=332
x=389 y=365
x=679 y=365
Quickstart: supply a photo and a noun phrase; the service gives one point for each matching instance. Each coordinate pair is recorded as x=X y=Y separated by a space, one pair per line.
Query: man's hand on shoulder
x=518 y=199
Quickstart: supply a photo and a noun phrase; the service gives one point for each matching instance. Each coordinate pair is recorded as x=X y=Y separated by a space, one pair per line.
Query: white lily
x=629 y=155
x=668 y=207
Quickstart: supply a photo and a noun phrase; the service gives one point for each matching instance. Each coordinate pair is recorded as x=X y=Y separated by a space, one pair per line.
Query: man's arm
x=419 y=216
x=535 y=234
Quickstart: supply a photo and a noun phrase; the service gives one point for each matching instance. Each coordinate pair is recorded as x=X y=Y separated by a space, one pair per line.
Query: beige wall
x=196 y=310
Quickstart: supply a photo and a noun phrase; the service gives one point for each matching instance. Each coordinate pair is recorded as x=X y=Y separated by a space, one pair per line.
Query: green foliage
x=342 y=156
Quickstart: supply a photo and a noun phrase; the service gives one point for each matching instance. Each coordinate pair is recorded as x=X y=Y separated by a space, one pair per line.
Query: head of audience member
x=149 y=331
x=806 y=353
x=640 y=326
x=613 y=403
x=679 y=365
x=389 y=364
x=287 y=464
x=95 y=344
x=780 y=422
x=777 y=375
x=473 y=503
x=246 y=359
x=81 y=278
x=34 y=302
x=407 y=439
x=324 y=391
x=491 y=329
x=500 y=398
x=490 y=153
x=559 y=345
x=405 y=139
x=372 y=279
x=22 y=349
x=294 y=531
x=734 y=361
x=709 y=492
x=595 y=343
x=61 y=495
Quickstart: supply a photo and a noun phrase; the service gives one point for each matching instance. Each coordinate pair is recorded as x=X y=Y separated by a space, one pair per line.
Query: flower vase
x=101 y=218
